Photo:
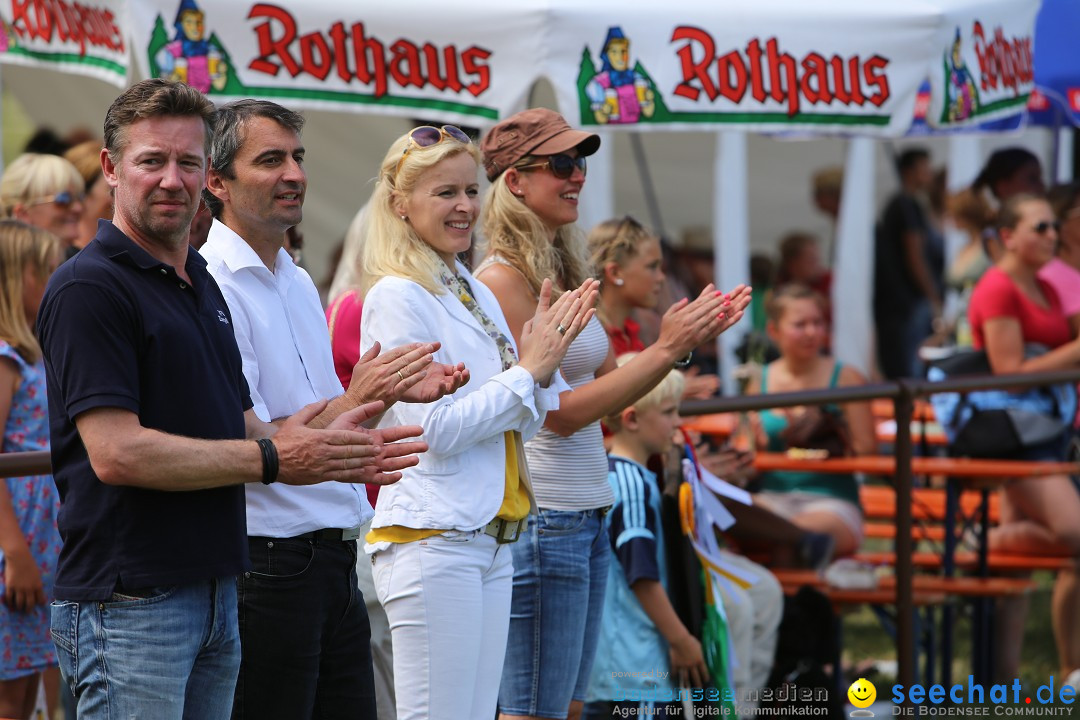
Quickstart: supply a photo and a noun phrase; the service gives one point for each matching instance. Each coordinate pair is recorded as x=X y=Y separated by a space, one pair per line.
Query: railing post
x=905 y=606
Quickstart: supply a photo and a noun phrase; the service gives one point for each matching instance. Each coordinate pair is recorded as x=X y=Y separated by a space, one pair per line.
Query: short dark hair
x=1002 y=165
x=229 y=137
x=910 y=158
x=155 y=98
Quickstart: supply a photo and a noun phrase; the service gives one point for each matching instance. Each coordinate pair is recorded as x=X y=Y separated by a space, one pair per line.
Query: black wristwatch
x=684 y=363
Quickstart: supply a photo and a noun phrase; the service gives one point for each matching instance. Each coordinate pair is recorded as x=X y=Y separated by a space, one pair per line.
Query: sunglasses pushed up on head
x=428 y=135
x=562 y=166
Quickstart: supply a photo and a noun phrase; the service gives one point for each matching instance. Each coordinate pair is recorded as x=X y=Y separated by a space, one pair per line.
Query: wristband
x=269 y=460
x=684 y=362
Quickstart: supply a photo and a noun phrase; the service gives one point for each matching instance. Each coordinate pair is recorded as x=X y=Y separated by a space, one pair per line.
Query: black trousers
x=304 y=633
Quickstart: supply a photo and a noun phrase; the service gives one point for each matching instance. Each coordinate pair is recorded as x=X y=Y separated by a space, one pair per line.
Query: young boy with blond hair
x=645 y=652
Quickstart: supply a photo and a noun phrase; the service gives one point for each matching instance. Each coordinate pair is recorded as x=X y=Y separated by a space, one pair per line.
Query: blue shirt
x=120 y=329
x=631 y=656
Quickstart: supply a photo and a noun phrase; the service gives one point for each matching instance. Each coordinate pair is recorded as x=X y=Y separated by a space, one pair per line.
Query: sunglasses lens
x=562 y=166
x=456 y=133
x=1044 y=226
x=425 y=136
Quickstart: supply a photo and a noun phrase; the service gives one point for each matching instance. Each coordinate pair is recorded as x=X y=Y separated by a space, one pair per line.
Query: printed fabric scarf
x=460 y=287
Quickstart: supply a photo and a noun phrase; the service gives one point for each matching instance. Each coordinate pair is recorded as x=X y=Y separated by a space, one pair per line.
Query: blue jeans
x=172 y=655
x=560 y=574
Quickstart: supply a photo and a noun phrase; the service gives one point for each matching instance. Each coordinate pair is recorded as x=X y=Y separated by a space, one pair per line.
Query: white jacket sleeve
x=398 y=312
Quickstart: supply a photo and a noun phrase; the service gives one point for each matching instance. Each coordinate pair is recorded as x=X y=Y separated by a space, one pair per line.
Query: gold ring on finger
x=401 y=376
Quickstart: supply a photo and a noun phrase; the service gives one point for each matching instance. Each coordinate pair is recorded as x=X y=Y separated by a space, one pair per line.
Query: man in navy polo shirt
x=149 y=412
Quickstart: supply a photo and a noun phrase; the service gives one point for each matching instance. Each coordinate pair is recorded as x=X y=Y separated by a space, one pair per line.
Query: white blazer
x=459 y=483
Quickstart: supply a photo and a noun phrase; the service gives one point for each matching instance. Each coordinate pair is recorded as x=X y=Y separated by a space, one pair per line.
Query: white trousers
x=754 y=615
x=448 y=602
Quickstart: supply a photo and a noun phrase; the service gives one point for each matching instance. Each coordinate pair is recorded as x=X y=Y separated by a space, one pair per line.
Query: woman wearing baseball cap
x=537 y=164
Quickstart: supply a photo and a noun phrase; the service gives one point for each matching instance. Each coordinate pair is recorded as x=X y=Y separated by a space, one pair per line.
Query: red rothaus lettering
x=767 y=72
x=69 y=22
x=352 y=54
x=1003 y=62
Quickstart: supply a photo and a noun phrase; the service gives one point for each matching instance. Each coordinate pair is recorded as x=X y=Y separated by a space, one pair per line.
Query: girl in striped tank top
x=537 y=165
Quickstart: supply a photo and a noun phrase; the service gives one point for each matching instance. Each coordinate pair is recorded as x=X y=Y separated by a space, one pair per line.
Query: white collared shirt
x=284 y=343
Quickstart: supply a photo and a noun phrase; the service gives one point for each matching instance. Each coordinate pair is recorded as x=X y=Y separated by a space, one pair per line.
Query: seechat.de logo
x=862 y=694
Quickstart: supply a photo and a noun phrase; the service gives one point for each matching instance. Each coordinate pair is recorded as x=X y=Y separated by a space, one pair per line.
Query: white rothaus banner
x=845 y=66
x=406 y=58
x=985 y=65
x=81 y=36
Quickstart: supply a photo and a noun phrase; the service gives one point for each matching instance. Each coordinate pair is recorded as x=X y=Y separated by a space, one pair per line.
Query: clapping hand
x=547 y=336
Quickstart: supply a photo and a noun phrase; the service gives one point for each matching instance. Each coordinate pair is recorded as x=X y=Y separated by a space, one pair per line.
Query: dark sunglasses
x=63 y=199
x=428 y=135
x=561 y=166
x=1043 y=227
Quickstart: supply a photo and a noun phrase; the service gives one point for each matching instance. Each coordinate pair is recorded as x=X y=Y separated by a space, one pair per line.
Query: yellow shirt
x=515 y=504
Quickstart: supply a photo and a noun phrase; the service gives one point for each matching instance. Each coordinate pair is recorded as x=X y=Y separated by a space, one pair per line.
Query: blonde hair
x=22 y=246
x=667 y=390
x=517 y=234
x=391 y=248
x=616 y=241
x=86 y=157
x=34 y=176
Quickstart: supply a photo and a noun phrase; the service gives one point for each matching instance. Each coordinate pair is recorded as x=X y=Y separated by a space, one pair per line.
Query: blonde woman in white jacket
x=440 y=537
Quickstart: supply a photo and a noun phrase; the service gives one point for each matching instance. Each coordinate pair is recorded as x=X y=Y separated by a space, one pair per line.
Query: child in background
x=645 y=650
x=29 y=541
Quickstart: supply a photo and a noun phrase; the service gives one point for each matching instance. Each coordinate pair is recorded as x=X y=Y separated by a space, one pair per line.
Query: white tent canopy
x=845 y=67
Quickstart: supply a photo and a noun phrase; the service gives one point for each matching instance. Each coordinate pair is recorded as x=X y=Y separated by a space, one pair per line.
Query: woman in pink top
x=1063 y=272
x=1011 y=307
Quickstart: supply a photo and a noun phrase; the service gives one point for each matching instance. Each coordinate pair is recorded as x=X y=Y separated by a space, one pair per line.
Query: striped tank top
x=570 y=473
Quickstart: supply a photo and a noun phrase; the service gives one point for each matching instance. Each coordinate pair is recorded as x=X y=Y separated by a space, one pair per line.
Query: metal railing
x=903 y=394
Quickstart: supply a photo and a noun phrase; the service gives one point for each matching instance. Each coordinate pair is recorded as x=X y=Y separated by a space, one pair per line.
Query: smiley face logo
x=862 y=693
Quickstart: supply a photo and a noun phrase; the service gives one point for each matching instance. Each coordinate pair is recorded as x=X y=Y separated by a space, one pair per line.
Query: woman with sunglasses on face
x=1063 y=272
x=441 y=562
x=537 y=165
x=1011 y=307
x=45 y=191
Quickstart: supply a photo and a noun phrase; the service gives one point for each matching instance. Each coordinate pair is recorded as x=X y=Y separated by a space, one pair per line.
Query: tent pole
x=731 y=240
x=648 y=189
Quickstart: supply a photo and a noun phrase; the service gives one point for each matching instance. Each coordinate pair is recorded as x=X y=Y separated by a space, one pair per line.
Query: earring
x=404 y=218
x=618 y=282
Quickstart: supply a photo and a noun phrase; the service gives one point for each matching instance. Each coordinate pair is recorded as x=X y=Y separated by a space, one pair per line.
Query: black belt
x=339 y=534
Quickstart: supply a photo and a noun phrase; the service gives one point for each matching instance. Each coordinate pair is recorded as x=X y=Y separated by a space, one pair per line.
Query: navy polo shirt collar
x=120 y=248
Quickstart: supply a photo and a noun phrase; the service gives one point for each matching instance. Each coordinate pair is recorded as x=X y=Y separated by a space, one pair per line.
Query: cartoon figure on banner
x=8 y=39
x=619 y=94
x=961 y=96
x=189 y=57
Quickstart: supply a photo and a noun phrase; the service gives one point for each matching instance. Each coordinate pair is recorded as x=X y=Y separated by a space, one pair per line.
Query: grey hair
x=229 y=136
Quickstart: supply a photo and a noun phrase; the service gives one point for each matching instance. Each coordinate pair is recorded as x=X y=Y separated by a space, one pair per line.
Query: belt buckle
x=350 y=533
x=500 y=537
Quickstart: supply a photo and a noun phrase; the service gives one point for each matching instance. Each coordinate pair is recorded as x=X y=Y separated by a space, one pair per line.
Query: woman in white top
x=441 y=567
x=536 y=163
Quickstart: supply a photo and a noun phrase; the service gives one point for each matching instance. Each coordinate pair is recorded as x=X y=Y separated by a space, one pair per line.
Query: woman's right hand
x=547 y=336
x=688 y=324
x=23 y=589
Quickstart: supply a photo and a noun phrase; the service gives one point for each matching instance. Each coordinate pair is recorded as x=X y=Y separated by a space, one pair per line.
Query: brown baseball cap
x=537 y=131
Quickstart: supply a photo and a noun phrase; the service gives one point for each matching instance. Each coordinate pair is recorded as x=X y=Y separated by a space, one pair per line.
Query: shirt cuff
x=547 y=399
x=518 y=381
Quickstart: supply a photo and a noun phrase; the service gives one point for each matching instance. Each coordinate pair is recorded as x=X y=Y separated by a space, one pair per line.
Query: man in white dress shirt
x=303 y=625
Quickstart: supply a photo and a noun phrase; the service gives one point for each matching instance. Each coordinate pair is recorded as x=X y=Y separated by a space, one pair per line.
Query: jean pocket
x=141 y=597
x=283 y=560
x=64 y=625
x=560 y=522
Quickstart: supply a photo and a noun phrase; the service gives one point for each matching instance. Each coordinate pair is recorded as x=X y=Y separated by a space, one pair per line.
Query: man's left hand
x=439 y=380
